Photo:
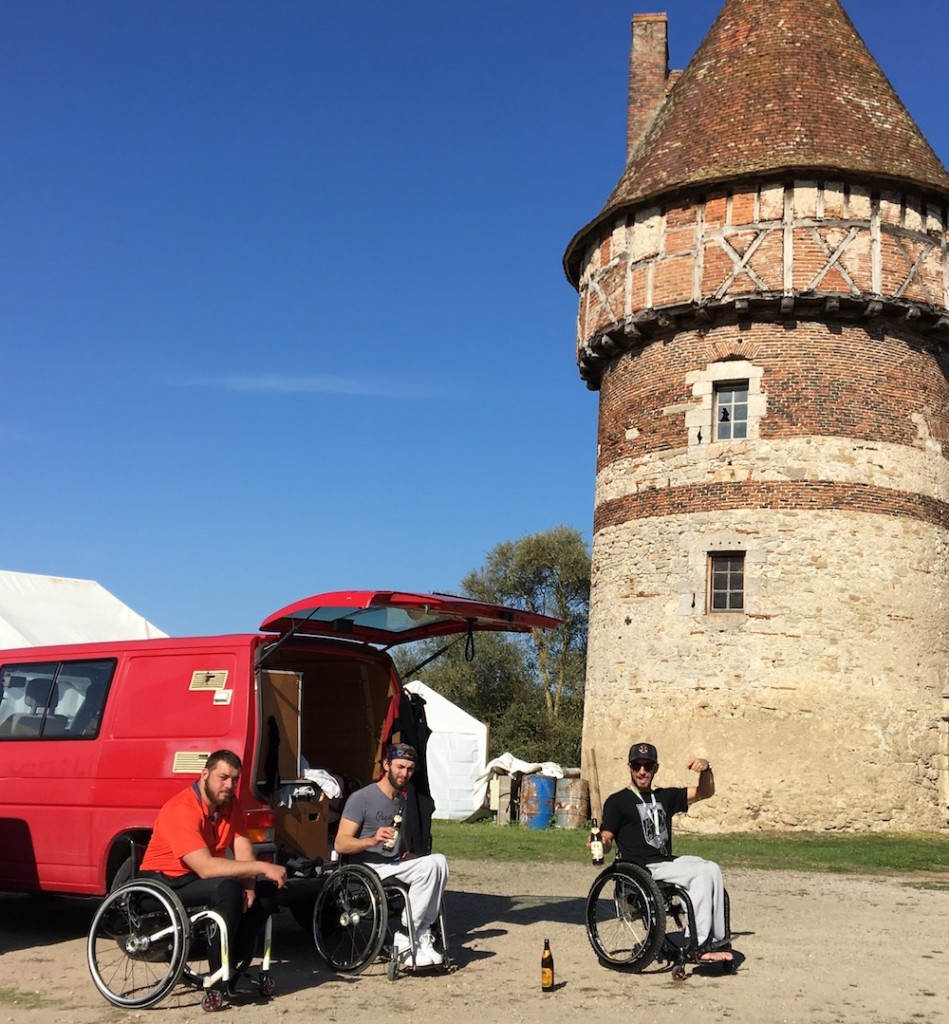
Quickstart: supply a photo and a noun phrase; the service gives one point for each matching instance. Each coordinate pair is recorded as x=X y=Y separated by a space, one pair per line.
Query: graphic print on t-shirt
x=655 y=826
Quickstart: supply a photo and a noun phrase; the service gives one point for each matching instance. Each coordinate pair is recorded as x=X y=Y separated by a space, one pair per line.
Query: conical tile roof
x=776 y=86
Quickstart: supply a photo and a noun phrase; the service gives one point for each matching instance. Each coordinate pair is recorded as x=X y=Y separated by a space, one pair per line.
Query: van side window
x=53 y=700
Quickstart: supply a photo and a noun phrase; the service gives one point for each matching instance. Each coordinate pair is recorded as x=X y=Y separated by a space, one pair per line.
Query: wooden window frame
x=732 y=421
x=726 y=564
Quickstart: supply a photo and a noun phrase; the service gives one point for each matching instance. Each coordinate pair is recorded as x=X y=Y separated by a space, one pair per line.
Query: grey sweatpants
x=426 y=878
x=702 y=880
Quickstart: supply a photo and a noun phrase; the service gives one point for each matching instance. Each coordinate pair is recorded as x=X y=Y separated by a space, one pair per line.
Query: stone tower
x=763 y=309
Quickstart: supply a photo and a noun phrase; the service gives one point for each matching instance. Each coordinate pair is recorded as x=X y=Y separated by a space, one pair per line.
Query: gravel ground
x=820 y=949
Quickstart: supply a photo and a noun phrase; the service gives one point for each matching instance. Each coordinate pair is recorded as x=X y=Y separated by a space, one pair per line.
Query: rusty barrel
x=571 y=803
x=537 y=800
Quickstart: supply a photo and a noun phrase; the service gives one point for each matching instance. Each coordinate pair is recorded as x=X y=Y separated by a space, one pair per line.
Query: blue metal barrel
x=537 y=800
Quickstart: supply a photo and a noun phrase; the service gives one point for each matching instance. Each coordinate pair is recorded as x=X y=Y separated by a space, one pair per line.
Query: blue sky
x=281 y=298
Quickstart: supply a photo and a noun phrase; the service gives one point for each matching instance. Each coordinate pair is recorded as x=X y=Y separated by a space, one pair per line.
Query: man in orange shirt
x=188 y=851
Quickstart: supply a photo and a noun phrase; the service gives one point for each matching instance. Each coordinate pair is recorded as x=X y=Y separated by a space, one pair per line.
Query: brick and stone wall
x=824 y=703
x=820 y=706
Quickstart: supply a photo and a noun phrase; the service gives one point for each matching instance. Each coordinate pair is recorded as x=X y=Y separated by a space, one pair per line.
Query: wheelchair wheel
x=349 y=919
x=625 y=917
x=137 y=944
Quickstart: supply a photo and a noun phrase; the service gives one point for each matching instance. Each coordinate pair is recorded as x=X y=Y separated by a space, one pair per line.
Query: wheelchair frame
x=352 y=922
x=141 y=940
x=626 y=914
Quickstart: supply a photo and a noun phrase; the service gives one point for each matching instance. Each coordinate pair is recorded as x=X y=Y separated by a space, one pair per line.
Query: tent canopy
x=456 y=755
x=39 y=610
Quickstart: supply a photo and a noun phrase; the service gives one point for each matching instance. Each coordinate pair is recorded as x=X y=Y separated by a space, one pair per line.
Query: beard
x=216 y=801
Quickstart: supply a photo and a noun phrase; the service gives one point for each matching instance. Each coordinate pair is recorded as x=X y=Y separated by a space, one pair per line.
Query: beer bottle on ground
x=547 y=969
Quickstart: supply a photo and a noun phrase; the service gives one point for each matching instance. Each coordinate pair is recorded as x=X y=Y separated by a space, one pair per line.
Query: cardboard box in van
x=94 y=738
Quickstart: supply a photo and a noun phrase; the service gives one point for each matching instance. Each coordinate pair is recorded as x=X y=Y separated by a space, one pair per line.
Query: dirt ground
x=821 y=949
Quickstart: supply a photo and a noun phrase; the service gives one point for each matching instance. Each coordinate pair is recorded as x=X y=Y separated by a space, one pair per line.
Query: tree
x=547 y=573
x=527 y=687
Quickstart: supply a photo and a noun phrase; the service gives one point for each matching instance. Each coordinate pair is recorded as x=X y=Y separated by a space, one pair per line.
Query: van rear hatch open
x=389 y=617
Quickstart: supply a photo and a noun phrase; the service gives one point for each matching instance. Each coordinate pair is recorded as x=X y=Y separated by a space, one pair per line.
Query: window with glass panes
x=731 y=410
x=726 y=584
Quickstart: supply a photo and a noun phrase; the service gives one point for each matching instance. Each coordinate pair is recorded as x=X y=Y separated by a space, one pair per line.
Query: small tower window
x=726 y=582
x=730 y=410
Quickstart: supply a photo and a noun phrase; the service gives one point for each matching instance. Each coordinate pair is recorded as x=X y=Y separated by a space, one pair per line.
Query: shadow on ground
x=28 y=921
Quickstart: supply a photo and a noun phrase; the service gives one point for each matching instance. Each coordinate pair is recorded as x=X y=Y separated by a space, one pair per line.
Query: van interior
x=323 y=719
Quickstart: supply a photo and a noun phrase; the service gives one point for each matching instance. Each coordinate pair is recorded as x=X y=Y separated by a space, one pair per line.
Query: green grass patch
x=871 y=853
x=23 y=1000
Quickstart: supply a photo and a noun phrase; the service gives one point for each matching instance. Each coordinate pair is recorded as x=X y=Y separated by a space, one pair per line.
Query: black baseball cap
x=643 y=752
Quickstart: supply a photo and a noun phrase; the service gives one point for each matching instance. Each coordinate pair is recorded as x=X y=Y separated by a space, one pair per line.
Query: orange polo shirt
x=183 y=825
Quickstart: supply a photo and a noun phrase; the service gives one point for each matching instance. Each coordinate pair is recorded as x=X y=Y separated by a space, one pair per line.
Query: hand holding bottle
x=393 y=840
x=595 y=842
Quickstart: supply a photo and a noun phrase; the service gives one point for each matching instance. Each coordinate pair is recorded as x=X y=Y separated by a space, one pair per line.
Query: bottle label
x=546 y=978
x=391 y=842
x=596 y=851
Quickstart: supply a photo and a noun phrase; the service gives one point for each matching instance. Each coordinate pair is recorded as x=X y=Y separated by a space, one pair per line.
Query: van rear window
x=58 y=700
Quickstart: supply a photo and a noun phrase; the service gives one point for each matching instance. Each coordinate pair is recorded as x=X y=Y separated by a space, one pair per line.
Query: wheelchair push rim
x=138 y=944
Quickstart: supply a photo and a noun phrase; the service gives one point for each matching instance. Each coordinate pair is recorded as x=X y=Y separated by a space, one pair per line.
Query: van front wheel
x=125 y=874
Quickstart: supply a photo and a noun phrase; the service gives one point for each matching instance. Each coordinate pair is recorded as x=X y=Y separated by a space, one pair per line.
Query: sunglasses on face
x=643 y=766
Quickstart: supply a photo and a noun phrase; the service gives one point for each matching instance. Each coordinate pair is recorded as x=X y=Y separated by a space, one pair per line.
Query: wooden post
x=596 y=805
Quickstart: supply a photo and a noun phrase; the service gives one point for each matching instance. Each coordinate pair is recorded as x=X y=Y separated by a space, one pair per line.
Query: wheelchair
x=627 y=915
x=355 y=917
x=143 y=941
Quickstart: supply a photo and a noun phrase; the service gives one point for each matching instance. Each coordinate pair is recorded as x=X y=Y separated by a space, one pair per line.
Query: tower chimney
x=648 y=74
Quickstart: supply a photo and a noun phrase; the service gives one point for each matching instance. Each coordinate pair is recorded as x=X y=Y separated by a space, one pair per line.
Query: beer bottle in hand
x=547 y=968
x=393 y=840
x=596 y=843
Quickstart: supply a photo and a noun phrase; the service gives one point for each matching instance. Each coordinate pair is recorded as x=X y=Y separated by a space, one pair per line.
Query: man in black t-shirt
x=639 y=819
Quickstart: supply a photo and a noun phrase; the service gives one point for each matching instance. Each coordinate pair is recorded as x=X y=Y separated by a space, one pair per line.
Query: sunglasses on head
x=643 y=766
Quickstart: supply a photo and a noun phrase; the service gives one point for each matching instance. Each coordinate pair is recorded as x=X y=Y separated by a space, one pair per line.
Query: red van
x=95 y=737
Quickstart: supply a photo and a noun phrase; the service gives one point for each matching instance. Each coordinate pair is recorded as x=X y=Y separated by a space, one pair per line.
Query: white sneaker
x=402 y=947
x=427 y=955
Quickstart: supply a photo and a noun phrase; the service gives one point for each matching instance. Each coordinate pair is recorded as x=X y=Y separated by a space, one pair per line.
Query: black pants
x=226 y=897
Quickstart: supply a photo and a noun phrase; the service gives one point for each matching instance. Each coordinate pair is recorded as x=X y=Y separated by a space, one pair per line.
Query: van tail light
x=259 y=823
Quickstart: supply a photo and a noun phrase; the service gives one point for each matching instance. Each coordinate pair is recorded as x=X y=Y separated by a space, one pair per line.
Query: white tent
x=40 y=610
x=457 y=752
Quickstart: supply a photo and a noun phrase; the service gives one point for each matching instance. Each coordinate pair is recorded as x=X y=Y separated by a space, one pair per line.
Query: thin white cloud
x=320 y=384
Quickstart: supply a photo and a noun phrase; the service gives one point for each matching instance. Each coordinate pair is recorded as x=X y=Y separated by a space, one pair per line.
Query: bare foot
x=716 y=956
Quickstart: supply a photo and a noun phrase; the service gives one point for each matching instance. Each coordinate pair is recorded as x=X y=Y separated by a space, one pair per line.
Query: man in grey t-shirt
x=367 y=835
